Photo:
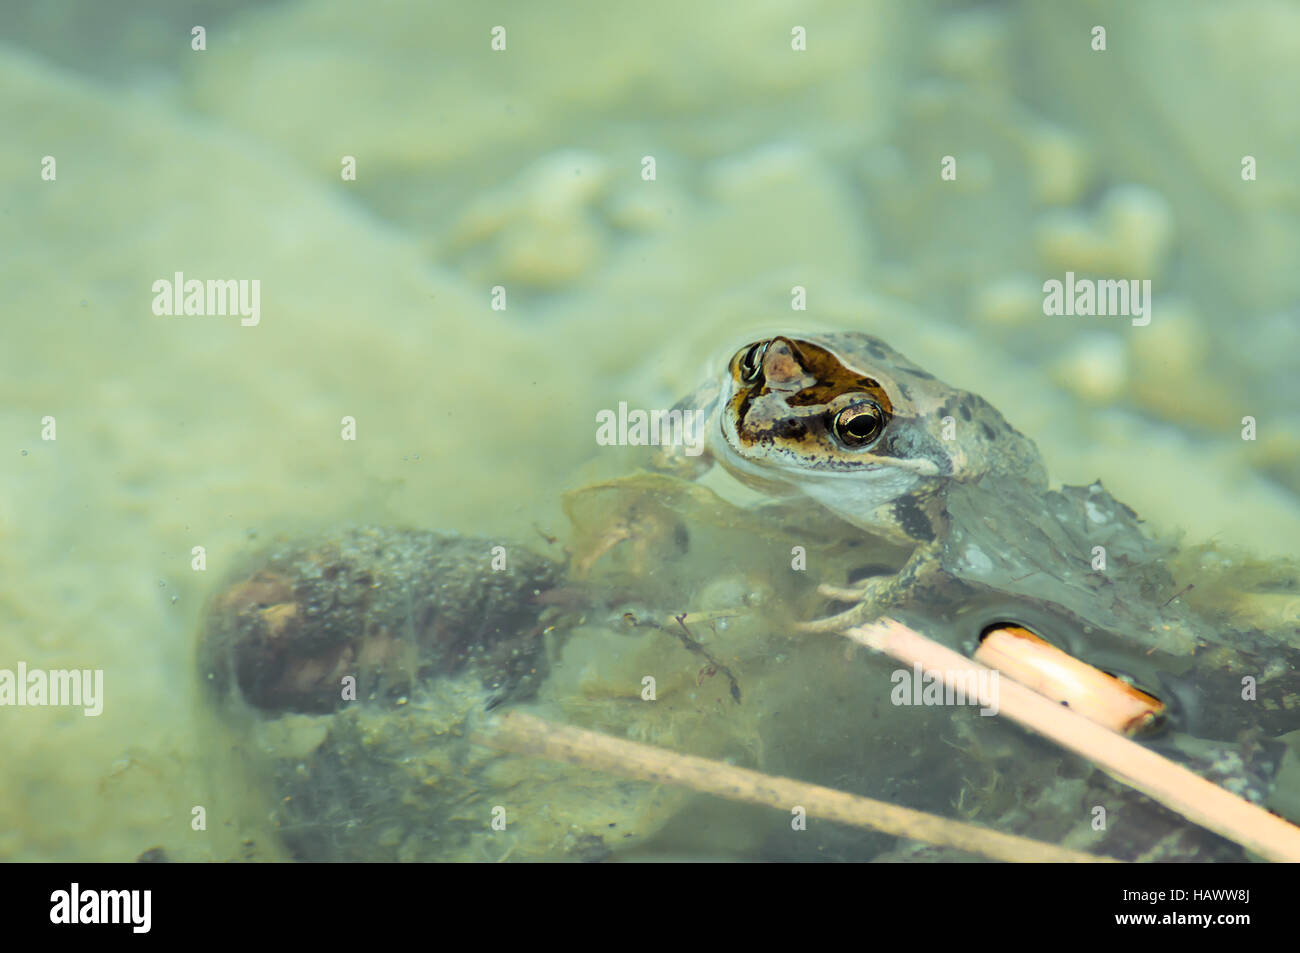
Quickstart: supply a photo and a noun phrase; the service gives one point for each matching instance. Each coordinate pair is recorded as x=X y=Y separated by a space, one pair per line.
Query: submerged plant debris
x=391 y=774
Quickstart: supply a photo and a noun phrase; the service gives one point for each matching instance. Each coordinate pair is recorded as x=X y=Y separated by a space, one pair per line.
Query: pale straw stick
x=1179 y=789
x=528 y=735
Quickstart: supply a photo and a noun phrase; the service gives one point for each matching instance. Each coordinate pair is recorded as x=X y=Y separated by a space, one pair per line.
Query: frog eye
x=857 y=426
x=751 y=361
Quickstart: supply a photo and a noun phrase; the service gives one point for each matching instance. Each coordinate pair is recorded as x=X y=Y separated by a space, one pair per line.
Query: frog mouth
x=813 y=465
x=861 y=484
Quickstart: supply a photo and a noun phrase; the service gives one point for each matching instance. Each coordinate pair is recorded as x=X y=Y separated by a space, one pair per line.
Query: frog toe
x=845 y=593
x=860 y=614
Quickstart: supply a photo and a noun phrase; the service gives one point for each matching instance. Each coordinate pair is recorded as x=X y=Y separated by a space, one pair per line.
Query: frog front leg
x=878 y=594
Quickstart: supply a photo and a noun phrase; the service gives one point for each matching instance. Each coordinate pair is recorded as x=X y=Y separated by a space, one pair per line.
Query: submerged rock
x=384 y=607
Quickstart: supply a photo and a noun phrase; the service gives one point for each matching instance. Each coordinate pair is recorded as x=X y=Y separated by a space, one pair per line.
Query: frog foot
x=860 y=614
x=866 y=599
x=874 y=595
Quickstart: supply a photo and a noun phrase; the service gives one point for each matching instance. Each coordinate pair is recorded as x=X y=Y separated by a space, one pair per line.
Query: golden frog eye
x=857 y=426
x=750 y=364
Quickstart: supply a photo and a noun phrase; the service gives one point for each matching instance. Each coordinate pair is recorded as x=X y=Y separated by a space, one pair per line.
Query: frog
x=847 y=423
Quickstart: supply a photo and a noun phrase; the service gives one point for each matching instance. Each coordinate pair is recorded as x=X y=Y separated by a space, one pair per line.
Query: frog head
x=851 y=423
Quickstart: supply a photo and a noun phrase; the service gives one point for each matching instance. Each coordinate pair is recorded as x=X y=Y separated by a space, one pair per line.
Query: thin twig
x=691 y=643
x=528 y=735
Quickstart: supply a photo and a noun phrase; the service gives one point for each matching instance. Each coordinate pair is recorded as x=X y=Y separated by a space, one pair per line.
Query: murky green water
x=502 y=265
